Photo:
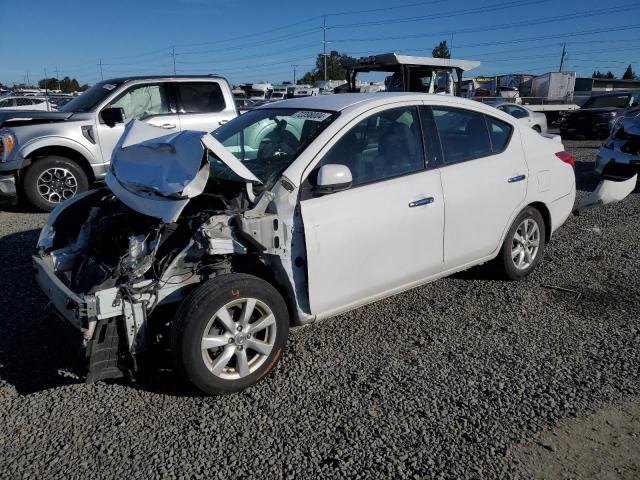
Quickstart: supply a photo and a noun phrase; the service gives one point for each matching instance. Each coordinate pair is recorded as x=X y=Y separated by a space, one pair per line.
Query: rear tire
x=523 y=246
x=229 y=333
x=52 y=180
x=537 y=128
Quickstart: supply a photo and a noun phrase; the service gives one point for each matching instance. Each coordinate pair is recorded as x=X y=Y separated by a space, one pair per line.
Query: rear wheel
x=523 y=246
x=229 y=333
x=537 y=128
x=52 y=180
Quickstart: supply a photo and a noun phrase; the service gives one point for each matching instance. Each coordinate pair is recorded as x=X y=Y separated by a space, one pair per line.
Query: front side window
x=7 y=102
x=268 y=140
x=200 y=97
x=463 y=134
x=142 y=101
x=384 y=145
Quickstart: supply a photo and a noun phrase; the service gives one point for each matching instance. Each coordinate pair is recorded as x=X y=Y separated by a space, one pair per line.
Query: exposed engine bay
x=107 y=266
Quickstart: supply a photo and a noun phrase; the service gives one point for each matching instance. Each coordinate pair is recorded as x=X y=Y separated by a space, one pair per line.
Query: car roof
x=342 y=101
x=160 y=77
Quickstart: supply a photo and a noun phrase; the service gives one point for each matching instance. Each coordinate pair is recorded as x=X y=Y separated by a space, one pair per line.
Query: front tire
x=523 y=246
x=52 y=180
x=229 y=333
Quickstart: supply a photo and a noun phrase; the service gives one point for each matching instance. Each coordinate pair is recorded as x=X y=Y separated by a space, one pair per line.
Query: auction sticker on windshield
x=311 y=115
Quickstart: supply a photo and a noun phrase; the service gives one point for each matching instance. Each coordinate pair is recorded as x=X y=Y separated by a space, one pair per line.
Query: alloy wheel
x=238 y=339
x=57 y=184
x=525 y=244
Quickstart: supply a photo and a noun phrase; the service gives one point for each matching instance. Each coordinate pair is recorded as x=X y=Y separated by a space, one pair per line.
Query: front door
x=149 y=103
x=385 y=231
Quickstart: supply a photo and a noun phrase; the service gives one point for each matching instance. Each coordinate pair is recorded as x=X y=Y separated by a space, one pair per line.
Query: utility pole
x=564 y=53
x=294 y=74
x=28 y=81
x=46 y=93
x=100 y=65
x=58 y=77
x=173 y=54
x=324 y=45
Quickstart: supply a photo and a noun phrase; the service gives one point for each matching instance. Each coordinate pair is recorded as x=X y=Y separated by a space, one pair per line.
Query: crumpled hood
x=156 y=173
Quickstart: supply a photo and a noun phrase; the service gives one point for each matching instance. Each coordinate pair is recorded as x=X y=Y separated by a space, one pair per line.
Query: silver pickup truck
x=49 y=157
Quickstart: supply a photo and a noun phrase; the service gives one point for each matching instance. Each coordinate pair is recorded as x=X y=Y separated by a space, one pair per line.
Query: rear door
x=148 y=102
x=484 y=179
x=383 y=233
x=203 y=105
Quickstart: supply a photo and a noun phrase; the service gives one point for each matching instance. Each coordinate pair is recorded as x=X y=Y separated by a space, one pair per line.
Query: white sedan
x=535 y=120
x=291 y=213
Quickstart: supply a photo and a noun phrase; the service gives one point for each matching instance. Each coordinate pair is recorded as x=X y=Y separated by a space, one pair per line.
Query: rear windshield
x=618 y=101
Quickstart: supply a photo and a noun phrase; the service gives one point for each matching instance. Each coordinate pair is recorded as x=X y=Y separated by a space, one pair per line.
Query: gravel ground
x=444 y=381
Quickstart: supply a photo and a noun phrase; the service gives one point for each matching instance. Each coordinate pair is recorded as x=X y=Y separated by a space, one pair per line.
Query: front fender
x=57 y=141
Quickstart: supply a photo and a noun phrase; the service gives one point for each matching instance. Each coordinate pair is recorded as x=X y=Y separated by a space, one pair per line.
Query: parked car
x=535 y=120
x=292 y=213
x=596 y=116
x=619 y=155
x=50 y=157
x=26 y=103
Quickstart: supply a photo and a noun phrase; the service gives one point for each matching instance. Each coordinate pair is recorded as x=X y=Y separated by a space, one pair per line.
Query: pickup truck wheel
x=523 y=246
x=52 y=180
x=229 y=333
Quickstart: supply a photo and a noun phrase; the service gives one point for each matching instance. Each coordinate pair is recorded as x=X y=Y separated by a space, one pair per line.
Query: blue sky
x=253 y=41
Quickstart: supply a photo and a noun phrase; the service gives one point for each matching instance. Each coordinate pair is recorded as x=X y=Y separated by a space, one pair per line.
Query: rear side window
x=463 y=134
x=500 y=134
x=200 y=97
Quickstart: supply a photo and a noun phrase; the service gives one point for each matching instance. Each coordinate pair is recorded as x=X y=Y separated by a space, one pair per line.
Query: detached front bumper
x=612 y=163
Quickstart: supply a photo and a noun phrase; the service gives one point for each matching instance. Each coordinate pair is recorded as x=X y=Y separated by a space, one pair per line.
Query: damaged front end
x=109 y=258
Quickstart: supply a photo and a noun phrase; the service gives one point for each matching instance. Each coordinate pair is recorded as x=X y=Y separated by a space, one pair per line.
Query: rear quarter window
x=500 y=133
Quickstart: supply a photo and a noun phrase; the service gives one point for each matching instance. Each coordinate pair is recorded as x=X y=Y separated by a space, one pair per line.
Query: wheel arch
x=66 y=152
x=253 y=265
x=546 y=216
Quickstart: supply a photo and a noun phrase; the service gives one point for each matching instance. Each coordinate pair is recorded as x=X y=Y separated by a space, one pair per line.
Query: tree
x=441 y=50
x=337 y=65
x=610 y=75
x=67 y=85
x=628 y=74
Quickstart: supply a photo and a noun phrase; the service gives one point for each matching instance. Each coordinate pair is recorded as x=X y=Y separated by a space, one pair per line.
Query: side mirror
x=111 y=116
x=333 y=178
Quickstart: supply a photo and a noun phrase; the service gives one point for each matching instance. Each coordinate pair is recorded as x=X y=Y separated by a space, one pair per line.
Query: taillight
x=566 y=157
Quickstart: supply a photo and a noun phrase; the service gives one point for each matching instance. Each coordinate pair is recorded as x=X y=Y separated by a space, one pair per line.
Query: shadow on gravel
x=36 y=352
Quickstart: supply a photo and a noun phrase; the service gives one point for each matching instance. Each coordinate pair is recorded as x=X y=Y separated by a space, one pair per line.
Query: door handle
x=422 y=201
x=517 y=178
x=222 y=122
x=168 y=126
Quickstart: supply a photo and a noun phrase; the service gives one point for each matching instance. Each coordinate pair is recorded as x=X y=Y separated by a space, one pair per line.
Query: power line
x=540 y=21
x=455 y=13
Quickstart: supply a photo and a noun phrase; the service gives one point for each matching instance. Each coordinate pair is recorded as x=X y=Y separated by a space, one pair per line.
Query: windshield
x=90 y=99
x=268 y=140
x=618 y=101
